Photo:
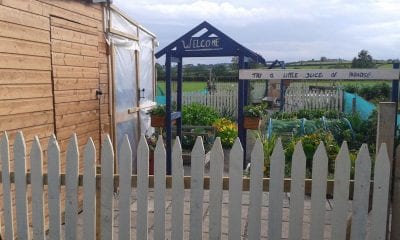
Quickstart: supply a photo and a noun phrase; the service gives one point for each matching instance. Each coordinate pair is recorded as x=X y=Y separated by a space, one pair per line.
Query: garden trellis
x=203 y=40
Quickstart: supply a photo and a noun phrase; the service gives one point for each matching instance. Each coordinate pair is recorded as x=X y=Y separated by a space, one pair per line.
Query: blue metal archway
x=203 y=41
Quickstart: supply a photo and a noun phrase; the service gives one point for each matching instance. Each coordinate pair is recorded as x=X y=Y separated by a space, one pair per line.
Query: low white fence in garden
x=221 y=101
x=301 y=97
x=103 y=205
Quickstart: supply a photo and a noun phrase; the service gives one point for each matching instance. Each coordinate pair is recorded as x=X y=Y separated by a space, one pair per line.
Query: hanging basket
x=252 y=123
x=159 y=121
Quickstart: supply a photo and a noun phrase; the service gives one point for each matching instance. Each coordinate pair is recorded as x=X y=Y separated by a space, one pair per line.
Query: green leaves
x=198 y=115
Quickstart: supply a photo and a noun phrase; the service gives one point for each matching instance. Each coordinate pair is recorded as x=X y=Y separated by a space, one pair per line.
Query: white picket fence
x=125 y=182
x=301 y=97
x=221 y=101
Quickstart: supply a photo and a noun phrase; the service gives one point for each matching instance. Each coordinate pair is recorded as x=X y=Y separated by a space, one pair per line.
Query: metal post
x=241 y=101
x=282 y=97
x=179 y=100
x=168 y=111
x=395 y=181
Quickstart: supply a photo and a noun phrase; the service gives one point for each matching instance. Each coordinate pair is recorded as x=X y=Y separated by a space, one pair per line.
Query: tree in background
x=364 y=60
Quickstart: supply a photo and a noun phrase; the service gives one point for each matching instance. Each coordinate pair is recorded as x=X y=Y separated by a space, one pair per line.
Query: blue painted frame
x=212 y=43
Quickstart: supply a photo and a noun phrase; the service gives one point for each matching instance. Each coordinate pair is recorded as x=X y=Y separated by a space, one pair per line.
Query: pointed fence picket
x=54 y=201
x=341 y=193
x=297 y=193
x=37 y=190
x=142 y=189
x=7 y=200
x=256 y=186
x=235 y=194
x=197 y=190
x=71 y=186
x=89 y=189
x=318 y=195
x=381 y=195
x=215 y=208
x=124 y=182
x=276 y=192
x=21 y=203
x=362 y=178
x=177 y=192
x=159 y=190
x=300 y=96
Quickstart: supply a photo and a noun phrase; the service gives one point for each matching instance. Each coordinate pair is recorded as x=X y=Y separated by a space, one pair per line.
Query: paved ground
x=245 y=205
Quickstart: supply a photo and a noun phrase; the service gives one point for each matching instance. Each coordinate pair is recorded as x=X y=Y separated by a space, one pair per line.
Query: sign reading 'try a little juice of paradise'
x=315 y=74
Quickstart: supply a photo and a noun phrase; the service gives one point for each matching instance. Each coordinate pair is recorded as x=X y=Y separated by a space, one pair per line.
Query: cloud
x=225 y=13
x=288 y=30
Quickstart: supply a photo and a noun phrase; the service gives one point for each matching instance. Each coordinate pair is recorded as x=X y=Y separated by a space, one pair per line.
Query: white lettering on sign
x=353 y=74
x=201 y=44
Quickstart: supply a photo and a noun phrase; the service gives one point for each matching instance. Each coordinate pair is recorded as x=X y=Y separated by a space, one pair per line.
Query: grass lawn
x=186 y=87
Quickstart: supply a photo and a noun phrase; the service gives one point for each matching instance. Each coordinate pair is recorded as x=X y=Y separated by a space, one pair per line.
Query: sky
x=288 y=30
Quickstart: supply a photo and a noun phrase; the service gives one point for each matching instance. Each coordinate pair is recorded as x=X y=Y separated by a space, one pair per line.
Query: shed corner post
x=168 y=110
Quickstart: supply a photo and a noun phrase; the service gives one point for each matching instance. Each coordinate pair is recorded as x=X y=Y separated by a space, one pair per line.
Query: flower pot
x=159 y=121
x=252 y=123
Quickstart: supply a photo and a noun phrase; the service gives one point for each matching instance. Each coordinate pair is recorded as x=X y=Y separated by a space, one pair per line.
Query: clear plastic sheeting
x=122 y=42
x=146 y=71
x=125 y=79
x=145 y=120
x=125 y=90
x=119 y=23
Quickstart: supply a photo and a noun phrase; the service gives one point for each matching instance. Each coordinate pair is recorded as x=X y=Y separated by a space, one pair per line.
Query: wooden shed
x=69 y=66
x=72 y=66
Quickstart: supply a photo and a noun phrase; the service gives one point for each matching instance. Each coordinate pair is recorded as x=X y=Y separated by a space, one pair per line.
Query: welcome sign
x=201 y=44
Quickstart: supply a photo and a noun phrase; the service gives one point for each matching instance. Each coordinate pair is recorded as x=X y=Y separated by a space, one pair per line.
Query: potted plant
x=157 y=115
x=252 y=116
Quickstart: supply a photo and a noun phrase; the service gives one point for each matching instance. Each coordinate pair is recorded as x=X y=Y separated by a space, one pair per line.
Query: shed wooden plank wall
x=46 y=44
x=53 y=57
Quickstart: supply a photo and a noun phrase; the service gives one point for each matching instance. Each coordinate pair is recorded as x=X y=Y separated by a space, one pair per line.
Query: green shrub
x=198 y=115
x=159 y=110
x=253 y=111
x=375 y=93
x=310 y=144
x=352 y=88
